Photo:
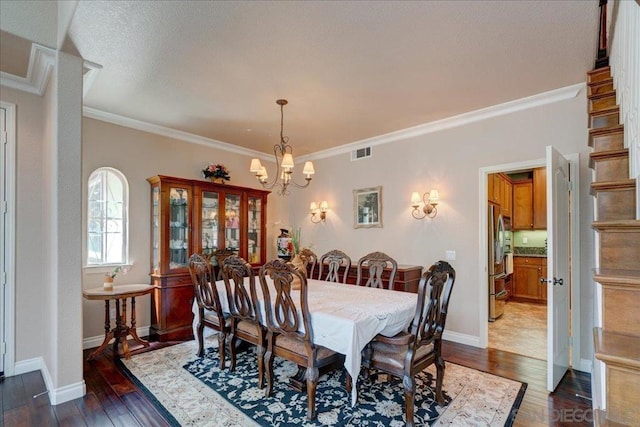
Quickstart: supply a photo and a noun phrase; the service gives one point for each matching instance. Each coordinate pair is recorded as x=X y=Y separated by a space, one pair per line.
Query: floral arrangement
x=218 y=170
x=295 y=238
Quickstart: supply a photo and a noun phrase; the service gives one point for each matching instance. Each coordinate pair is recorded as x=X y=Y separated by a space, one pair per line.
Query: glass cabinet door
x=209 y=226
x=232 y=222
x=178 y=227
x=255 y=229
x=155 y=230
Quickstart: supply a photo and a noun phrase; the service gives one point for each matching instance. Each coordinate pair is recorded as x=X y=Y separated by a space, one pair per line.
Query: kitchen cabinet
x=527 y=272
x=193 y=216
x=499 y=191
x=540 y=198
x=522 y=205
x=530 y=202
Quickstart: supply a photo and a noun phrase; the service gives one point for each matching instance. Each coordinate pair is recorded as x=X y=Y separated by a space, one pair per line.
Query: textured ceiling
x=350 y=70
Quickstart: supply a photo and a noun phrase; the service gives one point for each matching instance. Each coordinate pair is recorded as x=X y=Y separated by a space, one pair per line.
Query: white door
x=558 y=279
x=3 y=215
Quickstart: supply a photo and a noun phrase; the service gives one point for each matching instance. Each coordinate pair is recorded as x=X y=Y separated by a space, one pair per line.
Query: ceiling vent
x=361 y=153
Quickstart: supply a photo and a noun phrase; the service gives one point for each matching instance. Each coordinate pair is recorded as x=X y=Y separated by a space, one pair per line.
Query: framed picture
x=367 y=207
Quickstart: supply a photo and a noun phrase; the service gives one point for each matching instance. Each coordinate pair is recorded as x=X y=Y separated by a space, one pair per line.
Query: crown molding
x=41 y=65
x=537 y=100
x=116 y=119
x=91 y=71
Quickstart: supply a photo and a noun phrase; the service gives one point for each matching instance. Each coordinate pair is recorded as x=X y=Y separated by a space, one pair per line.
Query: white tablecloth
x=345 y=318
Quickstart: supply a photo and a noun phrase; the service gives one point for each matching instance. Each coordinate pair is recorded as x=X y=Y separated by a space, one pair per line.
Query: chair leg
x=439 y=377
x=222 y=338
x=260 y=352
x=200 y=337
x=409 y=384
x=312 y=382
x=232 y=350
x=348 y=384
x=268 y=360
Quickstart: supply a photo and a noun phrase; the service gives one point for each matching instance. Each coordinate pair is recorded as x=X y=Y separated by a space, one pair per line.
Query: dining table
x=345 y=318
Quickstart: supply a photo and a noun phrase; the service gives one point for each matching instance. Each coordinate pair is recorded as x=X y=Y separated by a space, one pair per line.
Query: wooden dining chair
x=409 y=352
x=245 y=317
x=289 y=331
x=220 y=255
x=374 y=265
x=333 y=260
x=210 y=312
x=309 y=260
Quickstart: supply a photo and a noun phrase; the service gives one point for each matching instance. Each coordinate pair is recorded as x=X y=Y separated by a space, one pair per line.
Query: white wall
x=448 y=160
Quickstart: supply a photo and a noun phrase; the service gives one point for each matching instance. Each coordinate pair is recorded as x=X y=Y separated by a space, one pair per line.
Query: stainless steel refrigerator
x=496 y=264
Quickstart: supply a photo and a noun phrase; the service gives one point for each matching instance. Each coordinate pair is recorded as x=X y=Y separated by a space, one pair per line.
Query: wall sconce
x=427 y=202
x=322 y=211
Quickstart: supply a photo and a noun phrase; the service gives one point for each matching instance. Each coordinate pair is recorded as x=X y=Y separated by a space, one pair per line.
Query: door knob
x=554 y=281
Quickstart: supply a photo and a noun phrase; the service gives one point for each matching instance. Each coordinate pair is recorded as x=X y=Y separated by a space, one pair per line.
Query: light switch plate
x=525 y=240
x=450 y=255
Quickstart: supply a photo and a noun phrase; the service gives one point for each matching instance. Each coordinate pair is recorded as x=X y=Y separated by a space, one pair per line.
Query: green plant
x=295 y=238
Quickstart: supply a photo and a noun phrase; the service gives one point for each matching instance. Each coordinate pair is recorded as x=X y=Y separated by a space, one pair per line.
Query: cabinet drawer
x=534 y=261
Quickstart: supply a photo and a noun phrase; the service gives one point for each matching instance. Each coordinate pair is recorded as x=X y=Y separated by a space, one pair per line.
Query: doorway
x=7 y=230
x=520 y=324
x=572 y=229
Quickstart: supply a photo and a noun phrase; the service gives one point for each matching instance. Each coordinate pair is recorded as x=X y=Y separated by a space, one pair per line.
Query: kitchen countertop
x=530 y=255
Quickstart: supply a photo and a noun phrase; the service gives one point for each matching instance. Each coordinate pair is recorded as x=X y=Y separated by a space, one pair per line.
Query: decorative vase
x=107 y=283
x=284 y=244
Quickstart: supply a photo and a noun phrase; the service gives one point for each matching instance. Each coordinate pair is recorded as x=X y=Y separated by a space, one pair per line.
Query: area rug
x=193 y=391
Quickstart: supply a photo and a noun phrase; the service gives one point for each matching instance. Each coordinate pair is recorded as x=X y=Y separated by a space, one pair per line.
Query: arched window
x=107 y=218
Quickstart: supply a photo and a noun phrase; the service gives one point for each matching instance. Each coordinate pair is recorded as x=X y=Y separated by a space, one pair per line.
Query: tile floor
x=522 y=329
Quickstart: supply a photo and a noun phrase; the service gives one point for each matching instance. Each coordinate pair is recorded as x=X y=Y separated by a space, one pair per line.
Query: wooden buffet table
x=121 y=331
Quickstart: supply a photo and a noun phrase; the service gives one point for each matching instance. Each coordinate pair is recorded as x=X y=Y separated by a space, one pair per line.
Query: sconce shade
x=324 y=206
x=256 y=166
x=313 y=207
x=434 y=197
x=415 y=198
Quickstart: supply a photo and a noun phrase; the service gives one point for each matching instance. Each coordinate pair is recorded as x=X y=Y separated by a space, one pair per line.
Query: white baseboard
x=459 y=338
x=29 y=365
x=95 y=341
x=56 y=395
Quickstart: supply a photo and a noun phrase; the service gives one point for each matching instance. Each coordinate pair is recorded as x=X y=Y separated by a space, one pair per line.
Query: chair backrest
x=310 y=260
x=285 y=314
x=334 y=260
x=241 y=300
x=375 y=263
x=220 y=255
x=434 y=291
x=204 y=286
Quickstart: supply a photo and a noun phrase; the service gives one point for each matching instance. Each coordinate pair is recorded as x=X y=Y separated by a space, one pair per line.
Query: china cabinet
x=193 y=216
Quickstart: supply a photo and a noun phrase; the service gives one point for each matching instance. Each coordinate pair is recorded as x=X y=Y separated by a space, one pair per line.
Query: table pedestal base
x=121 y=331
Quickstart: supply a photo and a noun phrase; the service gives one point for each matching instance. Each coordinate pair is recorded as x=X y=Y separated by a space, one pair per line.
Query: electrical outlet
x=525 y=240
x=450 y=255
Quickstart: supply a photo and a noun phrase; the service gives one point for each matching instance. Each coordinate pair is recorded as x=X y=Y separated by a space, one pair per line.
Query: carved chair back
x=285 y=314
x=220 y=255
x=334 y=260
x=375 y=263
x=204 y=287
x=235 y=271
x=434 y=291
x=310 y=260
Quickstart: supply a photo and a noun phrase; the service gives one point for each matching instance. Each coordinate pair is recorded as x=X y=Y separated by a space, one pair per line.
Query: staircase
x=617 y=341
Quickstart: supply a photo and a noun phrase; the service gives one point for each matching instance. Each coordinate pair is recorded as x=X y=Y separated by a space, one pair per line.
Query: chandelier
x=284 y=163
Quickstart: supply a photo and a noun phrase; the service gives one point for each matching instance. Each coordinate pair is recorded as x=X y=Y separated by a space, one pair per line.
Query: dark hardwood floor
x=113 y=400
